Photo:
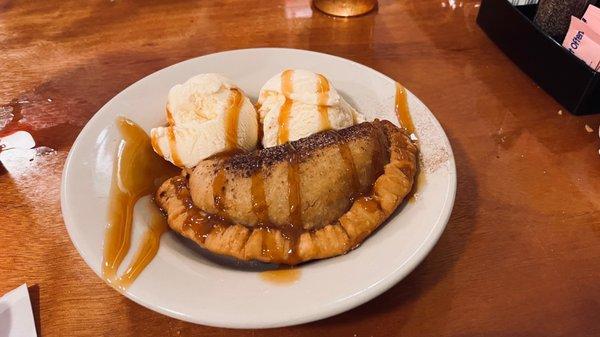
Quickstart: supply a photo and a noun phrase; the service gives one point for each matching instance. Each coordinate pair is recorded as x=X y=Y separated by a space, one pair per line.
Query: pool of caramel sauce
x=137 y=172
x=282 y=276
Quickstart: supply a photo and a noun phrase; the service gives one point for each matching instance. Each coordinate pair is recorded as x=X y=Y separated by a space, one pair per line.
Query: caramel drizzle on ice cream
x=283 y=133
x=232 y=115
x=173 y=146
x=322 y=101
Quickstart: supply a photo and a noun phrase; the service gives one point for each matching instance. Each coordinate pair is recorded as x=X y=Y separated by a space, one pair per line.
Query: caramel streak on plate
x=146 y=251
x=402 y=111
x=117 y=239
x=231 y=119
x=137 y=172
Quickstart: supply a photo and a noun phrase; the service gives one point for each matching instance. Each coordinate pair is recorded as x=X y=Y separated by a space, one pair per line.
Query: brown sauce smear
x=402 y=111
x=137 y=172
x=218 y=187
x=283 y=134
x=259 y=199
x=232 y=116
x=323 y=91
x=281 y=276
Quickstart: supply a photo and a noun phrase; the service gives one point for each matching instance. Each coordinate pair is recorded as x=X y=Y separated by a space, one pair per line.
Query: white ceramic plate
x=185 y=283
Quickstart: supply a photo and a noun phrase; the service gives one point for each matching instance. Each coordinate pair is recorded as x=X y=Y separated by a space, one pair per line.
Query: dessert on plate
x=303 y=177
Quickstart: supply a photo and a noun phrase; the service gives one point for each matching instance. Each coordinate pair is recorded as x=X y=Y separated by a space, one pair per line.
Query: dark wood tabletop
x=519 y=257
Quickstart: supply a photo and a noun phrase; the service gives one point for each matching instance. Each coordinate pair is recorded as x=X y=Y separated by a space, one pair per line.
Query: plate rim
x=348 y=303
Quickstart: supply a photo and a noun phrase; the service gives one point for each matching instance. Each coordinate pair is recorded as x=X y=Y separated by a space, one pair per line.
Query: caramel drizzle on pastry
x=218 y=187
x=294 y=199
x=199 y=222
x=348 y=160
x=259 y=199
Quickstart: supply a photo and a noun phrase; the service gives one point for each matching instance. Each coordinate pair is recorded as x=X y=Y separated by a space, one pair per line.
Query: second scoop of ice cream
x=298 y=103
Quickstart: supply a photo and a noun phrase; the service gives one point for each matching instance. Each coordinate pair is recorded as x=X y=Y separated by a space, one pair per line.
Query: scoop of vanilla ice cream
x=313 y=105
x=206 y=115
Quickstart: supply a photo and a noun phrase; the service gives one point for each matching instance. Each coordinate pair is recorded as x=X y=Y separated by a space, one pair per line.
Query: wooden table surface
x=519 y=257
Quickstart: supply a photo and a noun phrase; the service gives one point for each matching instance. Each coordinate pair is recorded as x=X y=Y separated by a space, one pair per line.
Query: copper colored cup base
x=345 y=8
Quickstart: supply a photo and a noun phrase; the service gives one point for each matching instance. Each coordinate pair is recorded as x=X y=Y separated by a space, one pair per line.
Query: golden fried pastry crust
x=320 y=237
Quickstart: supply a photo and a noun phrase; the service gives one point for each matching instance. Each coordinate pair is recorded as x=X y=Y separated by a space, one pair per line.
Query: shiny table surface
x=519 y=257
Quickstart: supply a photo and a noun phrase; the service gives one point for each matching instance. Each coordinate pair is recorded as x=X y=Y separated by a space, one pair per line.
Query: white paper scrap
x=16 y=316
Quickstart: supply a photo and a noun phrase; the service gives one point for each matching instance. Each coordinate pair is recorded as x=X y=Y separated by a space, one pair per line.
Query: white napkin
x=16 y=317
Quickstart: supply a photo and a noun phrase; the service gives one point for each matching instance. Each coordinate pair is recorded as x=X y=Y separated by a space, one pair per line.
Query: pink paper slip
x=584 y=42
x=592 y=17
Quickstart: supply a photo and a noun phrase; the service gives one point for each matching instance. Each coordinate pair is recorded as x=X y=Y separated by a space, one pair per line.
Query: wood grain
x=520 y=255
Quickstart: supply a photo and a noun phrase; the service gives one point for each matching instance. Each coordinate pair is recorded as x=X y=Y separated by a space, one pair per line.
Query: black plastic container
x=565 y=77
